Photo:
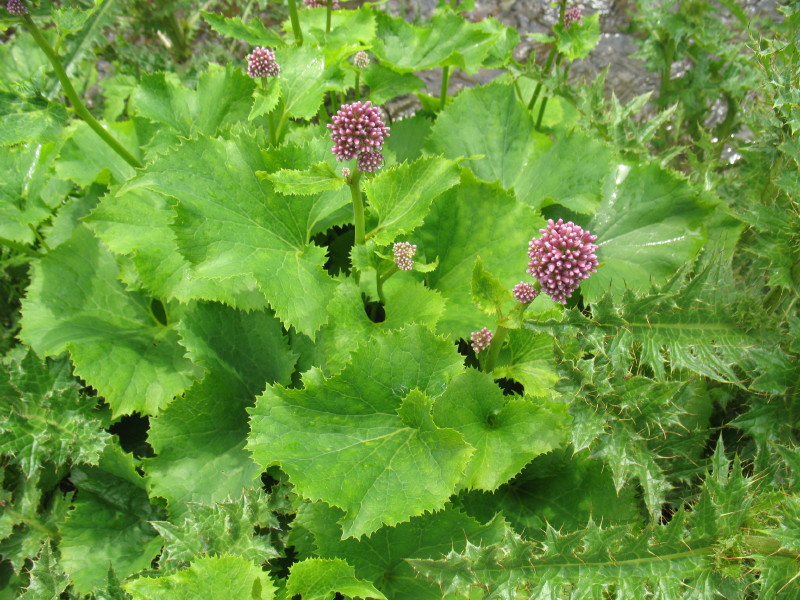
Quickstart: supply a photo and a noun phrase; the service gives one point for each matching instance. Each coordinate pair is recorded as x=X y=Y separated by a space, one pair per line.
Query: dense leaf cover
x=235 y=366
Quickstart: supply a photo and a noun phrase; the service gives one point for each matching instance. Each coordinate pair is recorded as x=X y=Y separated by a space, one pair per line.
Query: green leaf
x=48 y=580
x=487 y=292
x=449 y=40
x=386 y=84
x=199 y=438
x=408 y=137
x=110 y=333
x=474 y=219
x=223 y=97
x=45 y=418
x=305 y=77
x=110 y=524
x=232 y=527
x=570 y=173
x=23 y=120
x=649 y=224
x=253 y=32
x=507 y=432
x=528 y=358
x=402 y=195
x=214 y=577
x=86 y=159
x=382 y=557
x=319 y=177
x=234 y=228
x=348 y=27
x=320 y=579
x=491 y=124
x=264 y=102
x=319 y=433
x=580 y=38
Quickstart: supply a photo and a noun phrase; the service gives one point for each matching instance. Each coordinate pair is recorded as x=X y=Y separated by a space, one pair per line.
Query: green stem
x=358 y=205
x=541 y=114
x=381 y=279
x=298 y=33
x=77 y=104
x=494 y=349
x=328 y=17
x=281 y=123
x=666 y=72
x=562 y=11
x=19 y=247
x=445 y=86
x=39 y=237
x=358 y=84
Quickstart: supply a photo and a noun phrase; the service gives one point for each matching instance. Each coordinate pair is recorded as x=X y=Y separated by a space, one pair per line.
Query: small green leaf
x=253 y=32
x=306 y=75
x=24 y=120
x=320 y=579
x=319 y=177
x=213 y=577
x=528 y=359
x=386 y=84
x=487 y=292
x=48 y=580
x=264 y=102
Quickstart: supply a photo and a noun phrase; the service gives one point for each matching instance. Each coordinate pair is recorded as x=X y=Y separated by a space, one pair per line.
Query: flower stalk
x=74 y=99
x=298 y=33
x=358 y=205
x=498 y=339
x=445 y=87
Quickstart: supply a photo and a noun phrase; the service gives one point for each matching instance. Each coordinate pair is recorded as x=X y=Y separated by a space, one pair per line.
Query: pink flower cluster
x=562 y=258
x=481 y=339
x=357 y=128
x=572 y=15
x=404 y=255
x=318 y=3
x=525 y=292
x=261 y=63
x=370 y=161
x=16 y=7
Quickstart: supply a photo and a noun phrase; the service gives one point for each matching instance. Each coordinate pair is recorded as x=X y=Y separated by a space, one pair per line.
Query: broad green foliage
x=217 y=577
x=111 y=334
x=236 y=367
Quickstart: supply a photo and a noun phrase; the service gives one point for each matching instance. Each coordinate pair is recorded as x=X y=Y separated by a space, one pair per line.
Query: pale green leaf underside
x=320 y=579
x=116 y=344
x=319 y=177
x=343 y=440
x=211 y=577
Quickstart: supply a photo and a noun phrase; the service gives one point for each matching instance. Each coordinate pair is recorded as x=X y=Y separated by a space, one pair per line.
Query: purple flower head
x=356 y=128
x=525 y=292
x=481 y=339
x=404 y=255
x=370 y=161
x=318 y=3
x=562 y=258
x=261 y=63
x=16 y=7
x=361 y=59
x=572 y=15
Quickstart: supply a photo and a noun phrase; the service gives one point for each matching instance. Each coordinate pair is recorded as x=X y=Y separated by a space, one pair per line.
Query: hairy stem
x=298 y=33
x=494 y=349
x=77 y=104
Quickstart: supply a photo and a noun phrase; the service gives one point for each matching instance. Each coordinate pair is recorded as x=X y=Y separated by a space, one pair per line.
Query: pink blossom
x=481 y=339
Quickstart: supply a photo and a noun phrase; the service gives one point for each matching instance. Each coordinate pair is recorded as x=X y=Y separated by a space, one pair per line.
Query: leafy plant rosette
x=276 y=345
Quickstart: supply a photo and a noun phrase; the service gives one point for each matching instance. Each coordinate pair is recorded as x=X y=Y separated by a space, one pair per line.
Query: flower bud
x=261 y=63
x=346 y=173
x=356 y=128
x=16 y=7
x=572 y=15
x=481 y=339
x=370 y=161
x=525 y=292
x=361 y=59
x=562 y=258
x=321 y=3
x=404 y=255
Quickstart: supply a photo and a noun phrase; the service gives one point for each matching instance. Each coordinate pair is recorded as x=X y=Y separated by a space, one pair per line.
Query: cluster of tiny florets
x=357 y=128
x=525 y=292
x=562 y=258
x=346 y=173
x=16 y=7
x=261 y=63
x=572 y=15
x=361 y=59
x=370 y=161
x=481 y=339
x=318 y=3
x=404 y=255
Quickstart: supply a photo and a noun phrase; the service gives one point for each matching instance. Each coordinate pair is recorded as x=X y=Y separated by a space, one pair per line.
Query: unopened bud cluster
x=361 y=59
x=481 y=339
x=571 y=16
x=319 y=3
x=370 y=161
x=261 y=63
x=561 y=258
x=404 y=255
x=16 y=7
x=525 y=292
x=345 y=172
x=357 y=128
